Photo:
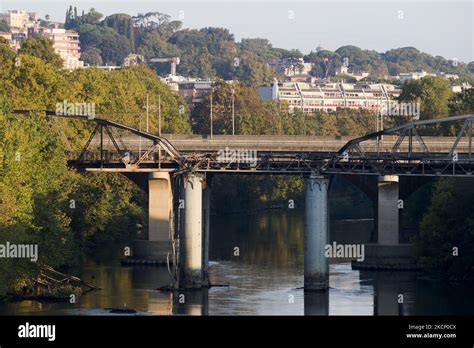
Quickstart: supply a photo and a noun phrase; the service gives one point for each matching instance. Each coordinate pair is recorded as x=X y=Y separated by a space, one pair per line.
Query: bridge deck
x=283 y=144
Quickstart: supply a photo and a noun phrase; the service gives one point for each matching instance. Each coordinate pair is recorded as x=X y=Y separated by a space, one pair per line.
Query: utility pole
x=381 y=127
x=377 y=117
x=159 y=114
x=140 y=140
x=147 y=112
x=212 y=89
x=233 y=113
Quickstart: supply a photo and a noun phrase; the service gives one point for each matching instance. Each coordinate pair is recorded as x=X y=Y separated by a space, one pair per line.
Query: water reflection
x=316 y=303
x=265 y=278
x=394 y=292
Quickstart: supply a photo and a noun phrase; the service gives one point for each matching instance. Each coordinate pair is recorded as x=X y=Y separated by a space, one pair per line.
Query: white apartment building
x=19 y=19
x=459 y=88
x=66 y=44
x=420 y=74
x=344 y=70
x=416 y=75
x=333 y=96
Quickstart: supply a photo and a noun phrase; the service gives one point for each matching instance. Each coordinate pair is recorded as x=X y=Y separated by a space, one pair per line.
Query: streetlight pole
x=159 y=115
x=147 y=112
x=212 y=89
x=140 y=140
x=233 y=113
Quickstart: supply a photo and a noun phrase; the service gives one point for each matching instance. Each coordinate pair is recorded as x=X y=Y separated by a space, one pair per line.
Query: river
x=264 y=277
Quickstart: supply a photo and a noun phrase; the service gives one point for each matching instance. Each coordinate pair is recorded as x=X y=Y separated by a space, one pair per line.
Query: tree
x=120 y=22
x=153 y=45
x=73 y=20
x=462 y=103
x=446 y=238
x=255 y=45
x=433 y=94
x=324 y=63
x=91 y=17
x=6 y=54
x=470 y=67
x=92 y=56
x=33 y=199
x=4 y=26
x=115 y=48
x=359 y=60
x=42 y=48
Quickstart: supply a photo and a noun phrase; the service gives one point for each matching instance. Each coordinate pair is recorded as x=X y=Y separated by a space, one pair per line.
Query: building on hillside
x=421 y=73
x=323 y=96
x=194 y=91
x=104 y=67
x=20 y=19
x=344 y=70
x=448 y=76
x=191 y=89
x=300 y=78
x=133 y=59
x=19 y=36
x=416 y=75
x=65 y=43
x=6 y=35
x=462 y=87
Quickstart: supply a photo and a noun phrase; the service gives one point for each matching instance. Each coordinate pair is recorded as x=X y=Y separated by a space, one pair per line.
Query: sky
x=439 y=27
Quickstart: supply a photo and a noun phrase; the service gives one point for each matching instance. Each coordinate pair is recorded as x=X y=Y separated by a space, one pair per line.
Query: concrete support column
x=207 y=220
x=388 y=210
x=192 y=251
x=316 y=267
x=160 y=203
x=160 y=220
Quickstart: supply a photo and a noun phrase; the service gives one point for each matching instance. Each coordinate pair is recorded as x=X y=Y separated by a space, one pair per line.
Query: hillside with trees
x=391 y=62
x=214 y=53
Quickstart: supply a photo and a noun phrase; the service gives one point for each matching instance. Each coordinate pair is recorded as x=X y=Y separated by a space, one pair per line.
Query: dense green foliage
x=380 y=65
x=34 y=186
x=41 y=200
x=462 y=103
x=41 y=48
x=433 y=94
x=446 y=240
x=4 y=26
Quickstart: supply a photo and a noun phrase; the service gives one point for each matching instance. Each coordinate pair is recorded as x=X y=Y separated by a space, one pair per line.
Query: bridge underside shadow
x=389 y=195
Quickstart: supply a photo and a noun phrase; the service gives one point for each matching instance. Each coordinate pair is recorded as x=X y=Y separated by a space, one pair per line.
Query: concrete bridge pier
x=388 y=219
x=316 y=267
x=206 y=202
x=160 y=220
x=191 y=272
x=388 y=253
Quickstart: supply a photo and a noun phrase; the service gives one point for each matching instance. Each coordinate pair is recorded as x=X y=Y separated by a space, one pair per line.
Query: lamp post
x=233 y=113
x=159 y=115
x=212 y=89
x=147 y=103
